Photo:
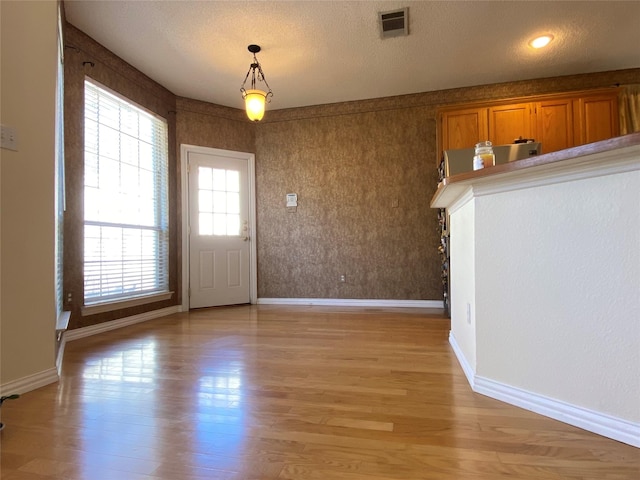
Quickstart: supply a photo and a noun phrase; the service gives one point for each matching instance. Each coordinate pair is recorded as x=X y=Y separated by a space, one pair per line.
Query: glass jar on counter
x=484 y=155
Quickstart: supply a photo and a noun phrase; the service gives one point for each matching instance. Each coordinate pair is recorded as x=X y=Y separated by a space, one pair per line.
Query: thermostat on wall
x=292 y=199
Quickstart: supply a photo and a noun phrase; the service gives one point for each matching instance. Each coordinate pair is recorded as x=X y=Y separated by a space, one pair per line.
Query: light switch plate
x=292 y=200
x=9 y=138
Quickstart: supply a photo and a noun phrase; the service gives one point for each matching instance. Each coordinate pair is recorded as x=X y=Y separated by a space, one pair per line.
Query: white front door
x=219 y=228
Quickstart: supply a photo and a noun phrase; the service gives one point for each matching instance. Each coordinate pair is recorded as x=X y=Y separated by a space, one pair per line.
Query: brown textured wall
x=348 y=162
x=215 y=126
x=349 y=171
x=113 y=73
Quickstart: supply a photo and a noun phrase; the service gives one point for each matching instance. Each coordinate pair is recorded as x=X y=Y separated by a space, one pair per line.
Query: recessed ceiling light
x=541 y=41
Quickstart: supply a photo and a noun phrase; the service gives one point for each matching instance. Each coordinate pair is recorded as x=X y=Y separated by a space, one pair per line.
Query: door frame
x=184 y=183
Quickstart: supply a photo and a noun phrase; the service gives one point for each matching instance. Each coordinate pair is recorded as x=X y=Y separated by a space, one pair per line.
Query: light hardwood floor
x=272 y=392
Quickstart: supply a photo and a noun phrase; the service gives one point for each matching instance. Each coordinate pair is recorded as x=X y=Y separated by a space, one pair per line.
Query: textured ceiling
x=317 y=52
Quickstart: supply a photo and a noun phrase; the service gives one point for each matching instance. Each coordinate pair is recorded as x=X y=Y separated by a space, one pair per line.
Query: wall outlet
x=469 y=313
x=343 y=278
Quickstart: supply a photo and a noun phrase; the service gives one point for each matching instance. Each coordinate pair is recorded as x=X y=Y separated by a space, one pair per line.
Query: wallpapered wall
x=349 y=163
x=364 y=181
x=207 y=125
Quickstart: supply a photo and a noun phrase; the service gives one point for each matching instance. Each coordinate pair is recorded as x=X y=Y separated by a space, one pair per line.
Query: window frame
x=62 y=316
x=107 y=302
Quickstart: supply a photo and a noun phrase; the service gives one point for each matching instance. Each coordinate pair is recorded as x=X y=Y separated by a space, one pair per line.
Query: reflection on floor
x=273 y=392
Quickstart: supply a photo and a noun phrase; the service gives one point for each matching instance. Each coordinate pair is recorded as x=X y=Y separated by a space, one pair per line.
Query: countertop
x=454 y=186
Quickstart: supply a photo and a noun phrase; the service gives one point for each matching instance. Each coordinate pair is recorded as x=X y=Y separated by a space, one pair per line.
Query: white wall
x=553 y=253
x=551 y=268
x=558 y=291
x=28 y=79
x=463 y=289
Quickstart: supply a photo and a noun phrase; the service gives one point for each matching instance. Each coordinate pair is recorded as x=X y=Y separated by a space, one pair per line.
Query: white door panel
x=234 y=268
x=219 y=230
x=206 y=266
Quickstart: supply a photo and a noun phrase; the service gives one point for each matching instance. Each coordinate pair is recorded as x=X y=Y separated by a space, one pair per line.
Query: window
x=62 y=317
x=218 y=201
x=126 y=233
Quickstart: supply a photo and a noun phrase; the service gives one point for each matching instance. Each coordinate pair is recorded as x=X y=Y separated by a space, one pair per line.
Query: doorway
x=218 y=227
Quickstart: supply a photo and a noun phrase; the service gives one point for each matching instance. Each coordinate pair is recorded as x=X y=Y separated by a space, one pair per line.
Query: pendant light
x=254 y=98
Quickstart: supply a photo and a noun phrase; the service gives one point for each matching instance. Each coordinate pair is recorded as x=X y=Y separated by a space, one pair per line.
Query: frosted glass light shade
x=254 y=103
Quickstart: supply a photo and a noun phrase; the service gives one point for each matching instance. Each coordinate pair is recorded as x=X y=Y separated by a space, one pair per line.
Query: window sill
x=131 y=302
x=61 y=324
x=63 y=321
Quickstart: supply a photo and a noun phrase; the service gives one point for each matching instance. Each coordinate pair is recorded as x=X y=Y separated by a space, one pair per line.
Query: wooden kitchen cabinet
x=507 y=123
x=596 y=117
x=557 y=121
x=463 y=128
x=554 y=124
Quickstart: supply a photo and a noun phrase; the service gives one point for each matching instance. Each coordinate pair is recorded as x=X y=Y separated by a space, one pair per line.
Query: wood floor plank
x=276 y=392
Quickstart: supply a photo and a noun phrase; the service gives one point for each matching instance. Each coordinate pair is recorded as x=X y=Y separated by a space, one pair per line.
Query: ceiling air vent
x=394 y=23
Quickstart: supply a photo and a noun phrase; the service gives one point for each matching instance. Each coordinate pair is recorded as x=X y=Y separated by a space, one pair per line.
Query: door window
x=218 y=201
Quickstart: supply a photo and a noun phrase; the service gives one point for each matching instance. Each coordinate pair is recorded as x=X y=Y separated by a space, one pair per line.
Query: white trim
x=590 y=420
x=125 y=303
x=462 y=360
x=253 y=234
x=562 y=174
x=77 y=333
x=592 y=165
x=351 y=302
x=184 y=203
x=30 y=382
x=63 y=320
x=461 y=201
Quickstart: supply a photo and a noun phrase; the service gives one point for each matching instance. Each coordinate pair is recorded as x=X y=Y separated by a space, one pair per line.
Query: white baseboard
x=30 y=382
x=77 y=333
x=352 y=302
x=462 y=360
x=590 y=420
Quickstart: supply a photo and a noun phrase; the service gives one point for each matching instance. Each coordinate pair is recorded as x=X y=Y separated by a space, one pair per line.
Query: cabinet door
x=507 y=123
x=554 y=124
x=464 y=128
x=596 y=117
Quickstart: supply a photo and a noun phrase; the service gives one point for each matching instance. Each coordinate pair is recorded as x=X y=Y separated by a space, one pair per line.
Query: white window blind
x=126 y=232
x=59 y=174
